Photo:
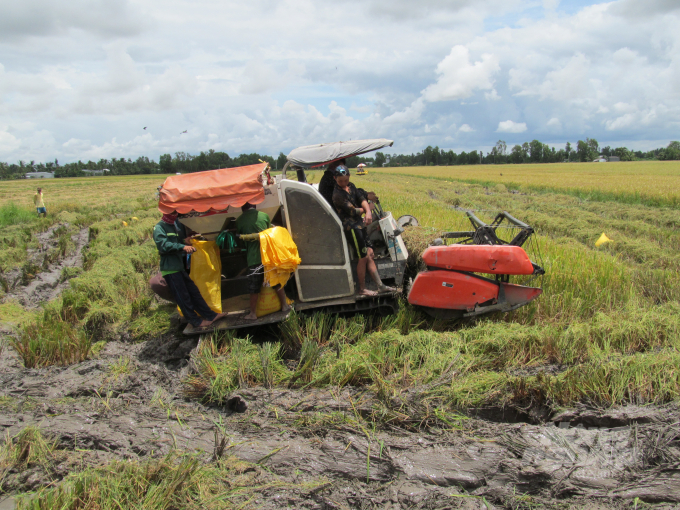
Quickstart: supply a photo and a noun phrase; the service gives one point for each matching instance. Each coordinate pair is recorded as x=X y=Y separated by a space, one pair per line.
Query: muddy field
x=102 y=412
x=580 y=458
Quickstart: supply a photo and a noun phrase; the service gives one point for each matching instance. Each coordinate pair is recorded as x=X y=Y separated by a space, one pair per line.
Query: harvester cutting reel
x=451 y=287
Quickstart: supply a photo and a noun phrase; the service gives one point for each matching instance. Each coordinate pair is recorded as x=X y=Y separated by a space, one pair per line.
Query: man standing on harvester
x=351 y=203
x=253 y=221
x=187 y=296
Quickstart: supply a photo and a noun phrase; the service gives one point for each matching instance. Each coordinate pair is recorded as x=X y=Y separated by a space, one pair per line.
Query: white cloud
x=458 y=78
x=90 y=74
x=8 y=142
x=40 y=18
x=508 y=126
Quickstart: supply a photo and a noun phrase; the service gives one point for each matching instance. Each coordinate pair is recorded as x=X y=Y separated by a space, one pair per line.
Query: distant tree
x=583 y=151
x=281 y=161
x=379 y=159
x=594 y=148
x=568 y=150
x=535 y=151
x=165 y=164
x=499 y=151
x=670 y=152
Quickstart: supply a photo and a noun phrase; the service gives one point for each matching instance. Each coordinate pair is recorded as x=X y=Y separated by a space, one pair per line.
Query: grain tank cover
x=214 y=190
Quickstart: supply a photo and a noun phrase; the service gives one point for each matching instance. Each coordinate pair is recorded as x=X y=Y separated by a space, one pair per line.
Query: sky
x=82 y=79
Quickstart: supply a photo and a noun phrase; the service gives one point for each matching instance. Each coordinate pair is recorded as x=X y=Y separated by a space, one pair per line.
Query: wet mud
x=49 y=282
x=128 y=404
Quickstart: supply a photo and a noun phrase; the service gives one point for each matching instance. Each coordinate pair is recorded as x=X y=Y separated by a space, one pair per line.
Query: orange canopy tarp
x=214 y=189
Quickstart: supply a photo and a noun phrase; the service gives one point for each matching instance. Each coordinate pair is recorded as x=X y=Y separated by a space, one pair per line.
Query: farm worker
x=183 y=289
x=351 y=203
x=327 y=183
x=39 y=203
x=253 y=221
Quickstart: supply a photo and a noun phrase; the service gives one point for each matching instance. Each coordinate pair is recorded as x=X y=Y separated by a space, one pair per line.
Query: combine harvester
x=210 y=202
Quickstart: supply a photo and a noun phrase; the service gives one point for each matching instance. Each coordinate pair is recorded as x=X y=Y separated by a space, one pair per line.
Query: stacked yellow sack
x=279 y=255
x=206 y=271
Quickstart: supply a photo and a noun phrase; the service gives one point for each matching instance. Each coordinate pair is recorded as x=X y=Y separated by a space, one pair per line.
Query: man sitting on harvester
x=327 y=183
x=253 y=221
x=187 y=296
x=351 y=203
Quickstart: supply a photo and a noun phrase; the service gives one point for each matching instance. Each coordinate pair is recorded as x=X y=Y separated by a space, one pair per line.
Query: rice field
x=605 y=332
x=654 y=183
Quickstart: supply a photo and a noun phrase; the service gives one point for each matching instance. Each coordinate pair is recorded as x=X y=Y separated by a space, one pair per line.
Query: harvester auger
x=451 y=287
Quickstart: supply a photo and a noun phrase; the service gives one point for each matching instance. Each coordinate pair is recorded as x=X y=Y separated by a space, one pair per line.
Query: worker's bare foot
x=367 y=292
x=285 y=308
x=386 y=288
x=251 y=317
x=205 y=324
x=218 y=317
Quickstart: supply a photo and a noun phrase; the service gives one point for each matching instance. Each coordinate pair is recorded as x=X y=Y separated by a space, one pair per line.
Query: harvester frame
x=210 y=202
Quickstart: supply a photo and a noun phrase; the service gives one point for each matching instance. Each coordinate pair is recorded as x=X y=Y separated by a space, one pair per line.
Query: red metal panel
x=479 y=258
x=450 y=290
x=518 y=294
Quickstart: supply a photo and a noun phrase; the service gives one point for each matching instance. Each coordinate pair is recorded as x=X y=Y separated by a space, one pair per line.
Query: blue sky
x=81 y=79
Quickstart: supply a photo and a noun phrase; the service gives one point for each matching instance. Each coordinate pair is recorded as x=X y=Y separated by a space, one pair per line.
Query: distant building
x=614 y=158
x=600 y=159
x=96 y=172
x=39 y=175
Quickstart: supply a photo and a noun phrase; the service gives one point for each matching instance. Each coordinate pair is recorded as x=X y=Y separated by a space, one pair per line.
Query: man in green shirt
x=253 y=221
x=187 y=296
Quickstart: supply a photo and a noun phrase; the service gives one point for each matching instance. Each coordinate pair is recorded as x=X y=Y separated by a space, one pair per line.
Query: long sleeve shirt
x=347 y=205
x=170 y=247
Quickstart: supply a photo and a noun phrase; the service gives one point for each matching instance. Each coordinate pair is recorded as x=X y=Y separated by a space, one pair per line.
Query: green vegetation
x=28 y=448
x=174 y=481
x=12 y=214
x=604 y=331
x=49 y=340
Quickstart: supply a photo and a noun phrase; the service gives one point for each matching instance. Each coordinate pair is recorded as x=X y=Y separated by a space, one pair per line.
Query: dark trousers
x=188 y=298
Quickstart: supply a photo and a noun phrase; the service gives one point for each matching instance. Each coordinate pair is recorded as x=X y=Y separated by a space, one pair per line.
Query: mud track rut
x=47 y=284
x=143 y=414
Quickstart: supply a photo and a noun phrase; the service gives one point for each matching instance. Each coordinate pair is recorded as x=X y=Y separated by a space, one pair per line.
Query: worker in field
x=253 y=221
x=172 y=249
x=327 y=183
x=40 y=203
x=351 y=204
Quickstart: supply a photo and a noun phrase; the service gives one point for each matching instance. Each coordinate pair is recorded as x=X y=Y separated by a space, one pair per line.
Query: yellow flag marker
x=125 y=224
x=603 y=239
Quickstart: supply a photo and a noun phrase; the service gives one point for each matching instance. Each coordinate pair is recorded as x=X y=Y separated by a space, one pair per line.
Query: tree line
x=529 y=152
x=182 y=162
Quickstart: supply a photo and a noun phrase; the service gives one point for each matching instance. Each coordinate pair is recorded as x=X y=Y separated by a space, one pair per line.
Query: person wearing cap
x=171 y=248
x=327 y=183
x=351 y=204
